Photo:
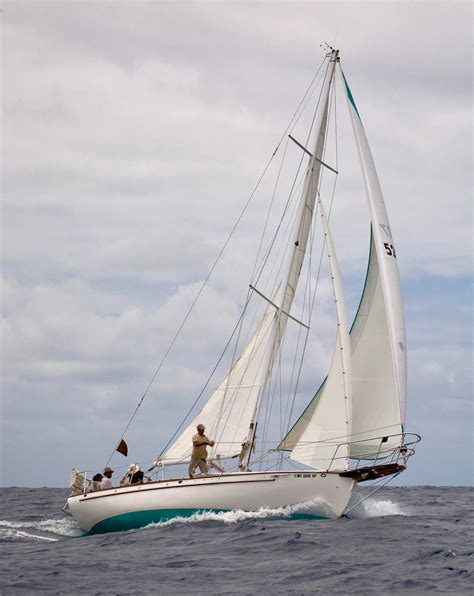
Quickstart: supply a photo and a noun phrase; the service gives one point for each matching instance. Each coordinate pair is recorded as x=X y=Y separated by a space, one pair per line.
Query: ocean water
x=401 y=541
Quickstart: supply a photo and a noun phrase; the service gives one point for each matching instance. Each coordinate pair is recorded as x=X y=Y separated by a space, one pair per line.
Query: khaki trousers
x=198 y=463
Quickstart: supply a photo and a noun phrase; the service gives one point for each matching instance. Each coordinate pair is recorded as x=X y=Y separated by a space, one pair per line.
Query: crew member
x=132 y=476
x=95 y=483
x=106 y=480
x=199 y=454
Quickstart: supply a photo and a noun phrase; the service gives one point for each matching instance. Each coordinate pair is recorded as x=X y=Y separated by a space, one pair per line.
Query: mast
x=298 y=243
x=231 y=412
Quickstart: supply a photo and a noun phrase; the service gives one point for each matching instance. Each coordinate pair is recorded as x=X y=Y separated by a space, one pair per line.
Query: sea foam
x=314 y=508
x=376 y=508
x=12 y=535
x=55 y=526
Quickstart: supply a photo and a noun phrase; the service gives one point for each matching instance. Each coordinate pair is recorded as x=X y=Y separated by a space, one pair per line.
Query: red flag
x=122 y=448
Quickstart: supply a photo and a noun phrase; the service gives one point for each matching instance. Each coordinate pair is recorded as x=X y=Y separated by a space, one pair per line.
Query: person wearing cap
x=106 y=480
x=199 y=454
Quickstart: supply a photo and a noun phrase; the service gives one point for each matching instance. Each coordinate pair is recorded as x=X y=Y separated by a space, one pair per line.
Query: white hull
x=139 y=505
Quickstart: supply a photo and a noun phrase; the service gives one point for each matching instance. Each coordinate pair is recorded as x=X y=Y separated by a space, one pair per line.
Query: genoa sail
x=378 y=333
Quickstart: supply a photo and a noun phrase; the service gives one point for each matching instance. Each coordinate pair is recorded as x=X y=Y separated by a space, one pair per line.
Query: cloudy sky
x=133 y=134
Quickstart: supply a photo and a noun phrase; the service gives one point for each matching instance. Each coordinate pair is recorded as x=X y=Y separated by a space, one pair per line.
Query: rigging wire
x=249 y=293
x=294 y=187
x=270 y=396
x=208 y=380
x=292 y=194
x=229 y=408
x=217 y=259
x=319 y=266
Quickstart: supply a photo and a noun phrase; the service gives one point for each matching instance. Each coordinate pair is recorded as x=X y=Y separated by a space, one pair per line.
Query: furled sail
x=378 y=333
x=231 y=412
x=315 y=438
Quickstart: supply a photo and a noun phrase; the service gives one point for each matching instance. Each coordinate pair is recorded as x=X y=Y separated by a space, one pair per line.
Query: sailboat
x=352 y=430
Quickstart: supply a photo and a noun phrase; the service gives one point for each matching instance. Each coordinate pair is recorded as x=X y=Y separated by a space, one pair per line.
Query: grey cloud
x=133 y=133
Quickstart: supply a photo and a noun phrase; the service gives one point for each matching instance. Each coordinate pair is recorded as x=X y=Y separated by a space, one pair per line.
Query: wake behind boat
x=353 y=429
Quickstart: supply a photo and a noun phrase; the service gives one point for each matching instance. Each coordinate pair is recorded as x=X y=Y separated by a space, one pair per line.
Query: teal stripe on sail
x=349 y=94
x=366 y=279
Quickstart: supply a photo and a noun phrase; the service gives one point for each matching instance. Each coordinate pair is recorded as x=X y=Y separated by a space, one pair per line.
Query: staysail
x=231 y=412
x=314 y=441
x=377 y=336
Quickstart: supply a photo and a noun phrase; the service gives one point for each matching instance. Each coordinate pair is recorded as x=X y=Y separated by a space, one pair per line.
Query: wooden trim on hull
x=373 y=472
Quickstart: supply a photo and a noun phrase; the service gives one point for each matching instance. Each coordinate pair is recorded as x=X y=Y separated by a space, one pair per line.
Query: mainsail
x=377 y=336
x=231 y=412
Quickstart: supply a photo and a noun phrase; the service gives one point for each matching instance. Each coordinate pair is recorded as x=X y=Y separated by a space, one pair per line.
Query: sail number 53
x=390 y=249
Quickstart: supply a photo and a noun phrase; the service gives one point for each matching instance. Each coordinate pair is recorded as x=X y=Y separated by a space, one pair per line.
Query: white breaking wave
x=314 y=507
x=59 y=526
x=13 y=535
x=376 y=508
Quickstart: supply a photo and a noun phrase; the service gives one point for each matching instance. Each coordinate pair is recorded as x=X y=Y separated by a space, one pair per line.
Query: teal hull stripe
x=350 y=96
x=139 y=519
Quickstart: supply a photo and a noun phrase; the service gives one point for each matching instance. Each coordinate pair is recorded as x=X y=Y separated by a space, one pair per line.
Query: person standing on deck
x=199 y=454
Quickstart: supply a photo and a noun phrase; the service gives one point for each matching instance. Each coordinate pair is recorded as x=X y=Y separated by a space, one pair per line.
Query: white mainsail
x=231 y=412
x=377 y=337
x=315 y=440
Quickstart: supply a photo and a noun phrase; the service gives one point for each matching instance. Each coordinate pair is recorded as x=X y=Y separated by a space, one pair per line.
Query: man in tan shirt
x=199 y=454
